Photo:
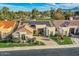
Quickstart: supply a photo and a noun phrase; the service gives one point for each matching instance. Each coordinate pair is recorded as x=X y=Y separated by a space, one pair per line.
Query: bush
x=16 y=40
x=5 y=41
x=39 y=43
x=10 y=41
x=33 y=41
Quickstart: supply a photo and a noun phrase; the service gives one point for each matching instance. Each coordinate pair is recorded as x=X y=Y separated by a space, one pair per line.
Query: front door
x=71 y=31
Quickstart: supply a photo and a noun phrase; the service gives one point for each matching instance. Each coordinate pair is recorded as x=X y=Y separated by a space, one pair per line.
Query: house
x=76 y=17
x=42 y=28
x=67 y=27
x=23 y=32
x=6 y=28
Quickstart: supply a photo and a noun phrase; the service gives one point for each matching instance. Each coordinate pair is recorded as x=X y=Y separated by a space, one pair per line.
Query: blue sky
x=39 y=6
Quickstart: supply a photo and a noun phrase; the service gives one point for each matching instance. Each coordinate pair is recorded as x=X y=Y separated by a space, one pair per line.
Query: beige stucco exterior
x=50 y=30
x=40 y=26
x=65 y=30
x=47 y=30
x=27 y=35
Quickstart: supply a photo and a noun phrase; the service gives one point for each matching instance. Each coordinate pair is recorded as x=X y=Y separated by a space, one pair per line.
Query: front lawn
x=5 y=44
x=64 y=41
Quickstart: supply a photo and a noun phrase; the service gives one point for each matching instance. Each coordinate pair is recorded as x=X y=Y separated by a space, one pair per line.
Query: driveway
x=47 y=41
x=75 y=40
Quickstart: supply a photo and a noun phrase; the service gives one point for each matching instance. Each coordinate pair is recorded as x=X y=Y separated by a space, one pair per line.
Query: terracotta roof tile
x=7 y=24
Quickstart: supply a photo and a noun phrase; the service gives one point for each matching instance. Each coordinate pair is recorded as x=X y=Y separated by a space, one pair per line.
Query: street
x=43 y=52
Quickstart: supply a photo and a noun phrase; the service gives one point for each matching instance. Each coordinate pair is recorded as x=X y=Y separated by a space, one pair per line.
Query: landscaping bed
x=5 y=44
x=64 y=41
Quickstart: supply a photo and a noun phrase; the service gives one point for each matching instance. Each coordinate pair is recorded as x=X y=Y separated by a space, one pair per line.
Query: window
x=23 y=37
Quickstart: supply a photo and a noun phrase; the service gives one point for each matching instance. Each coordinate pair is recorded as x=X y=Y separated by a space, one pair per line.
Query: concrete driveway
x=47 y=41
x=75 y=40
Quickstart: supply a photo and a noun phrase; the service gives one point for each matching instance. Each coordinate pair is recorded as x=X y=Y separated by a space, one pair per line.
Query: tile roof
x=65 y=23
x=57 y=23
x=74 y=23
x=7 y=24
x=25 y=28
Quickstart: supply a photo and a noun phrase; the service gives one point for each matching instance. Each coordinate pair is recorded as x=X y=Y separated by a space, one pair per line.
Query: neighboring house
x=76 y=17
x=23 y=31
x=67 y=27
x=42 y=28
x=6 y=27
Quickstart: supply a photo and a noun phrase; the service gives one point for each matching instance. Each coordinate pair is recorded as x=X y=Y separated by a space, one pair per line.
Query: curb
x=38 y=47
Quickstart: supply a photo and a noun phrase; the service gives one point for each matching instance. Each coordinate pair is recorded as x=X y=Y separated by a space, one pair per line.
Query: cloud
x=39 y=6
x=14 y=8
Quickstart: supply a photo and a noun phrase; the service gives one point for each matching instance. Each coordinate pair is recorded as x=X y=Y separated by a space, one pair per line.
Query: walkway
x=47 y=41
x=75 y=40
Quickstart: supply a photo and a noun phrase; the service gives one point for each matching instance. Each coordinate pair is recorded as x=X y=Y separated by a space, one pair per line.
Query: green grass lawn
x=9 y=44
x=66 y=40
x=4 y=45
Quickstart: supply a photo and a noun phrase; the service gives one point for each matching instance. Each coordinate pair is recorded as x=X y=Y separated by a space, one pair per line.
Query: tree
x=5 y=9
x=35 y=12
x=52 y=13
x=4 y=13
x=58 y=14
x=68 y=14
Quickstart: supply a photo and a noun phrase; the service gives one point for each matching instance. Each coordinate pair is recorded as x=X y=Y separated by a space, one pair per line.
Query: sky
x=39 y=6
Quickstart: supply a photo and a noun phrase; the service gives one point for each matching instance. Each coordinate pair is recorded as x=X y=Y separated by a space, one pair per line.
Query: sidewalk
x=49 y=44
x=38 y=47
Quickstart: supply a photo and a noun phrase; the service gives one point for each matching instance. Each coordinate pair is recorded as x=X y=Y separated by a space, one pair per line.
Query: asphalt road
x=43 y=52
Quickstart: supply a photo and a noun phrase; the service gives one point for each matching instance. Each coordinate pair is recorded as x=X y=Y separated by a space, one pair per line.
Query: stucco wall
x=64 y=30
x=40 y=26
x=50 y=30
